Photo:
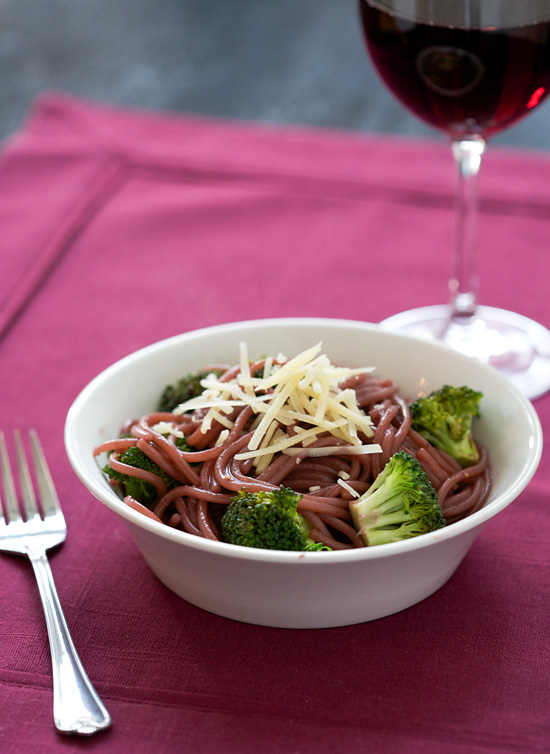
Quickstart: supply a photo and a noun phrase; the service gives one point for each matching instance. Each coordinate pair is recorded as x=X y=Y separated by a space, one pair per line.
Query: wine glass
x=469 y=68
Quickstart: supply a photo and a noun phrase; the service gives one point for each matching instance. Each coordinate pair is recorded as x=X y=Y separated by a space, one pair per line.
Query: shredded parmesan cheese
x=167 y=428
x=303 y=393
x=333 y=450
x=222 y=437
x=349 y=488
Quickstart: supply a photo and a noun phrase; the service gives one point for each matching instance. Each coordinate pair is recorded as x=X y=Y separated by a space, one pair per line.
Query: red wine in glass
x=461 y=81
x=469 y=68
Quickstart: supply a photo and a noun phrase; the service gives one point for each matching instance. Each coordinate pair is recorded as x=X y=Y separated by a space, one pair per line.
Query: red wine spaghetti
x=325 y=432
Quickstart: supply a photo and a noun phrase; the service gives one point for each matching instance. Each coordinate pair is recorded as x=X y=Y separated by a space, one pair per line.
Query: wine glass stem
x=463 y=285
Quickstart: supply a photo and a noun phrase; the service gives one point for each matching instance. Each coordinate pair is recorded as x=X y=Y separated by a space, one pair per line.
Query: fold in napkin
x=121 y=228
x=345 y=205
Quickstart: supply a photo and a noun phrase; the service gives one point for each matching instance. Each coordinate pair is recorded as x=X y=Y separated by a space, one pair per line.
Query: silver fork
x=77 y=708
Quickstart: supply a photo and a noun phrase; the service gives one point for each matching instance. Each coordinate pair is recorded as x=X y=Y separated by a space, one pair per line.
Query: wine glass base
x=515 y=345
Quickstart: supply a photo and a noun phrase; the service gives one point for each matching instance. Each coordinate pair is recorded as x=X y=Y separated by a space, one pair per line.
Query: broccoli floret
x=182 y=444
x=401 y=503
x=444 y=418
x=142 y=491
x=184 y=389
x=269 y=520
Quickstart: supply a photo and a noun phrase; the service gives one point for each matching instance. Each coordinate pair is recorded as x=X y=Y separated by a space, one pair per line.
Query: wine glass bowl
x=465 y=67
x=469 y=68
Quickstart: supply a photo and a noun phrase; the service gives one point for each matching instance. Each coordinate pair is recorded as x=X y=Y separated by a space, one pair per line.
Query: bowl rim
x=131 y=516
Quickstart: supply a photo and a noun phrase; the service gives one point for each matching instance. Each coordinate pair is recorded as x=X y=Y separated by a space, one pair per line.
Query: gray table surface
x=296 y=62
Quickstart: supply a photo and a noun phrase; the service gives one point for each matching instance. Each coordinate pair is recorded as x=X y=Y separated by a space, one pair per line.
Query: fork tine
x=27 y=490
x=48 y=495
x=12 y=508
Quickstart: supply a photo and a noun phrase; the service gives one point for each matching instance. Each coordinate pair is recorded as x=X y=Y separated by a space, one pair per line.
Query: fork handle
x=77 y=708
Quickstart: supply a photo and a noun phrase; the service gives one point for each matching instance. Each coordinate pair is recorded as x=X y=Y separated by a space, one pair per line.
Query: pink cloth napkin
x=121 y=228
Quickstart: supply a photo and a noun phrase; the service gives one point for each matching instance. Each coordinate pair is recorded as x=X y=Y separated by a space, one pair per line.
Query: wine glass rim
x=468 y=14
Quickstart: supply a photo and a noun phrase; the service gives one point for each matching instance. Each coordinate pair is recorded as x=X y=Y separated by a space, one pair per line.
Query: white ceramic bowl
x=294 y=589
